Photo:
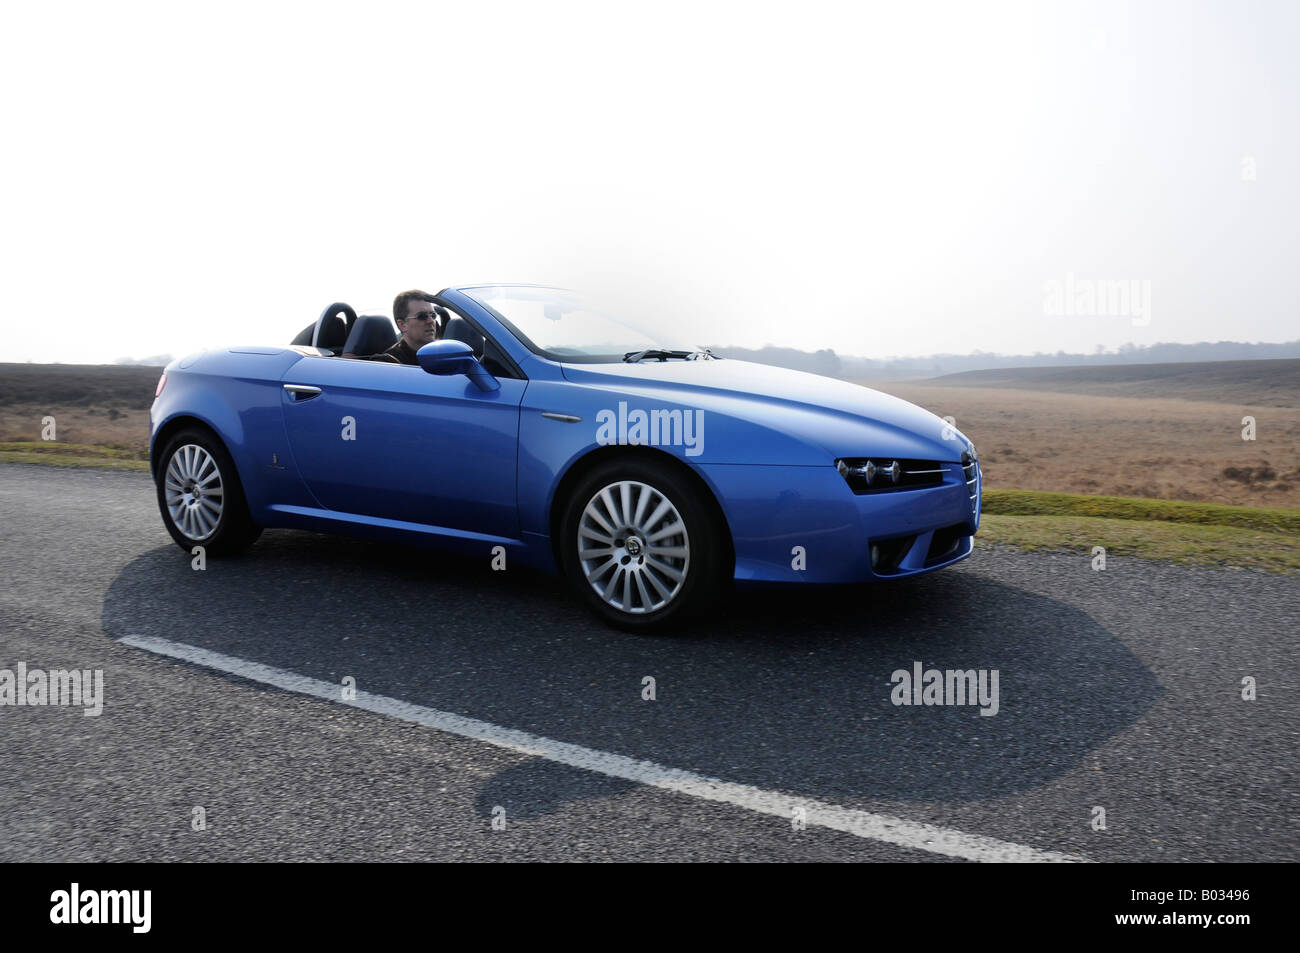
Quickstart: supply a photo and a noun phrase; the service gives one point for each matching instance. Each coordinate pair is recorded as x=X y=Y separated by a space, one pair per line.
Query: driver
x=419 y=320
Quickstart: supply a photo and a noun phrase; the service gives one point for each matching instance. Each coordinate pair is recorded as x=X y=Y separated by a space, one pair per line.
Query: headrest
x=371 y=334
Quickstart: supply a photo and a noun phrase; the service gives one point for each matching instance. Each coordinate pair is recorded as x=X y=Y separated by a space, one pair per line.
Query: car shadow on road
x=778 y=689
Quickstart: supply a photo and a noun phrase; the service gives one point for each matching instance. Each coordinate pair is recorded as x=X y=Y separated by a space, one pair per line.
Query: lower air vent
x=946 y=543
x=886 y=554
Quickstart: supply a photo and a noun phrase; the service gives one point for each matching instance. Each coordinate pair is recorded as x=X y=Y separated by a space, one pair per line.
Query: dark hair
x=403 y=300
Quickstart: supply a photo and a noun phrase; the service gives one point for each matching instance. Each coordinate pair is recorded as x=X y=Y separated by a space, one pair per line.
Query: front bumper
x=804 y=524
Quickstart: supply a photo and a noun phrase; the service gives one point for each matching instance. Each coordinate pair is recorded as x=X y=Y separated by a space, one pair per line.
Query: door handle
x=301 y=392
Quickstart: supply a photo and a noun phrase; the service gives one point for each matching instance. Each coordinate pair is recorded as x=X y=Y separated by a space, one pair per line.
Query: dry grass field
x=106 y=405
x=1165 y=431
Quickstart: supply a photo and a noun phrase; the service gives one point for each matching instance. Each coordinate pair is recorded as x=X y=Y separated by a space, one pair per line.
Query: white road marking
x=879 y=827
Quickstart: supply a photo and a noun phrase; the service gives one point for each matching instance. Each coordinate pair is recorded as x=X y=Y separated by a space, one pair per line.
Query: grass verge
x=1039 y=503
x=54 y=453
x=1206 y=534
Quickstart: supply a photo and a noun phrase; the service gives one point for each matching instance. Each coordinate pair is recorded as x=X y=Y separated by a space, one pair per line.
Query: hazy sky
x=882 y=179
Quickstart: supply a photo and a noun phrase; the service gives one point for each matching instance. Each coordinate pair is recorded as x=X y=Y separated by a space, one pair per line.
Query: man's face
x=420 y=325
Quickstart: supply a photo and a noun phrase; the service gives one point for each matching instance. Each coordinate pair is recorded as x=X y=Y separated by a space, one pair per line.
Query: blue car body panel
x=393 y=452
x=397 y=443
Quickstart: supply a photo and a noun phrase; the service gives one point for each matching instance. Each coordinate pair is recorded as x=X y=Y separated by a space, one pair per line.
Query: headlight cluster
x=882 y=474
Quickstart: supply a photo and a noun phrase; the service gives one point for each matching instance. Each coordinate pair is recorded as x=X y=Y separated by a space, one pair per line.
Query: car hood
x=842 y=418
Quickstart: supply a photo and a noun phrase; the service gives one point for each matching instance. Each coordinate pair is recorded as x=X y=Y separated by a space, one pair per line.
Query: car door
x=395 y=442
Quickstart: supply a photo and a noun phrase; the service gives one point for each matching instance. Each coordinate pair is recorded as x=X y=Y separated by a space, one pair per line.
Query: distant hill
x=1274 y=383
x=154 y=360
x=864 y=368
x=83 y=385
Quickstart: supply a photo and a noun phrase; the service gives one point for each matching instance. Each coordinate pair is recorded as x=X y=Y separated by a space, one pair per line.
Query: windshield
x=563 y=326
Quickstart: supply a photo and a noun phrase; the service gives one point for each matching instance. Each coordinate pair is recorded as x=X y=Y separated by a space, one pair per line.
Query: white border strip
x=878 y=827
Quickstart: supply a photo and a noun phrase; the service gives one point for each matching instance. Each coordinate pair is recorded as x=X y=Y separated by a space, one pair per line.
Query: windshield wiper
x=633 y=357
x=661 y=354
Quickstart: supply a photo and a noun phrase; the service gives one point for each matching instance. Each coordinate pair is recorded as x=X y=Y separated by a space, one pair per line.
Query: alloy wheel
x=194 y=491
x=633 y=547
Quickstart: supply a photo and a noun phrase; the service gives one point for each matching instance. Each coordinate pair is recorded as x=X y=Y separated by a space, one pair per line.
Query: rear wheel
x=200 y=497
x=639 y=544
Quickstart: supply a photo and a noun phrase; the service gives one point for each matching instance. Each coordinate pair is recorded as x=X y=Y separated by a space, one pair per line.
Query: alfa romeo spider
x=541 y=431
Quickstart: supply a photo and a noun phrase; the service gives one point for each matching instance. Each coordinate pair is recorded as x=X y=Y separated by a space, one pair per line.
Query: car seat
x=371 y=334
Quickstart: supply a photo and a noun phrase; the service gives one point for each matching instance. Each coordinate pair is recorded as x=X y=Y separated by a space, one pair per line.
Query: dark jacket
x=399 y=353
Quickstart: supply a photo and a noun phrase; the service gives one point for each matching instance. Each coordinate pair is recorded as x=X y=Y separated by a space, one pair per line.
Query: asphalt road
x=1118 y=689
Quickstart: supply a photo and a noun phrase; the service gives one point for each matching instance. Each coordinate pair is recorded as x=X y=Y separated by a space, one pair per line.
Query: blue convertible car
x=538 y=431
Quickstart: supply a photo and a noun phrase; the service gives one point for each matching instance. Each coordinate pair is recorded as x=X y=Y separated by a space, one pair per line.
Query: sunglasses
x=423 y=316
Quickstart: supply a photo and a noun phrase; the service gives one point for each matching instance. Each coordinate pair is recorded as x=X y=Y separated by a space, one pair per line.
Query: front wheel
x=639 y=544
x=200 y=497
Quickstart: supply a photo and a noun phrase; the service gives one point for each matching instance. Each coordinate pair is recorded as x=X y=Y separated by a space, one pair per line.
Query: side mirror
x=446 y=358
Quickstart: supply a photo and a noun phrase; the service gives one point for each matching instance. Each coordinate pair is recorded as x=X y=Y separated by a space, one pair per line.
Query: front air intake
x=970 y=466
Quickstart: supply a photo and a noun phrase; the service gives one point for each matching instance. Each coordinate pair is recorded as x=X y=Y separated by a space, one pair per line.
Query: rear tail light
x=162 y=382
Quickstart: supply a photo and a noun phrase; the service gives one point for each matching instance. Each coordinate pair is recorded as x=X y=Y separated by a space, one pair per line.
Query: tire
x=200 y=496
x=627 y=576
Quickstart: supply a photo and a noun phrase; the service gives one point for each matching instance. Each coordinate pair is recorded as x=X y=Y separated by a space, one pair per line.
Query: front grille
x=886 y=474
x=970 y=467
